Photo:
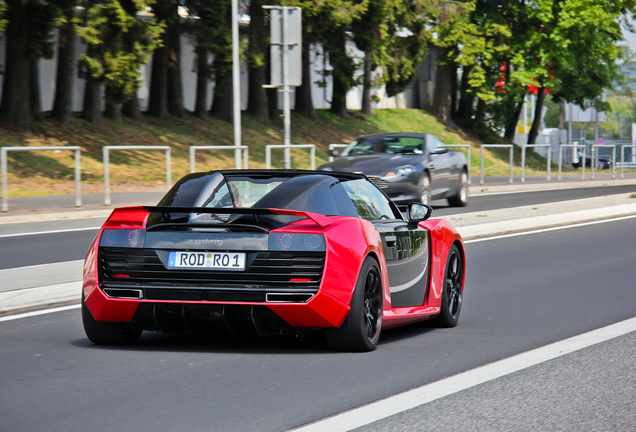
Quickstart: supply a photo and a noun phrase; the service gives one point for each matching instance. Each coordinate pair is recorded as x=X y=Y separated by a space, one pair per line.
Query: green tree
x=29 y=25
x=166 y=88
x=119 y=43
x=66 y=46
x=394 y=37
x=326 y=22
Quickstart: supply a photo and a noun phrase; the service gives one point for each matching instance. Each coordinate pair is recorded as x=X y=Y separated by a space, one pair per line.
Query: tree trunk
x=112 y=110
x=538 y=111
x=203 y=71
x=257 y=69
x=304 y=99
x=366 y=85
x=158 y=97
x=466 y=101
x=175 y=86
x=93 y=102
x=442 y=98
x=36 y=94
x=222 y=106
x=16 y=91
x=63 y=103
x=513 y=120
x=343 y=68
x=132 y=110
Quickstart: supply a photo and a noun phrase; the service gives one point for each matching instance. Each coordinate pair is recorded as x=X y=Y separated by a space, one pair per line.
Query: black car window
x=404 y=145
x=369 y=202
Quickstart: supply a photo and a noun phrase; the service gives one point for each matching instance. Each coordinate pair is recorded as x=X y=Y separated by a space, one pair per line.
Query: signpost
x=286 y=71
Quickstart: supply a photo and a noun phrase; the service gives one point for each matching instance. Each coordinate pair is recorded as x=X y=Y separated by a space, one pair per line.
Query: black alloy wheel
x=361 y=329
x=453 y=289
x=460 y=199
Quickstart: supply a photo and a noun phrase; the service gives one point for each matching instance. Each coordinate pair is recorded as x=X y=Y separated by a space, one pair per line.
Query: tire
x=360 y=331
x=453 y=290
x=424 y=189
x=460 y=199
x=108 y=333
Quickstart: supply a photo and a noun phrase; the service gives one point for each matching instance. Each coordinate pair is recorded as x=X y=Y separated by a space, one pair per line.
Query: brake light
x=130 y=238
x=296 y=242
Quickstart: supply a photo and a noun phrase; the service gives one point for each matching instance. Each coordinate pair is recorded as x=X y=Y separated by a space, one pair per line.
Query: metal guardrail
x=269 y=147
x=523 y=159
x=510 y=146
x=106 y=154
x=594 y=153
x=561 y=158
x=243 y=148
x=4 y=165
x=623 y=158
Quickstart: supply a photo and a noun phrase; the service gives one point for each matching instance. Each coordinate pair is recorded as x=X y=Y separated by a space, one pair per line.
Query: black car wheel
x=361 y=329
x=424 y=189
x=460 y=199
x=108 y=333
x=453 y=290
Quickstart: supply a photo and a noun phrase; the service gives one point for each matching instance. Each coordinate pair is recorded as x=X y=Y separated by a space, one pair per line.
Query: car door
x=440 y=165
x=407 y=256
x=406 y=245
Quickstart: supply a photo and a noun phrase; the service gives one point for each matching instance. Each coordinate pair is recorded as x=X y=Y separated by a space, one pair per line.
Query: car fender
x=443 y=236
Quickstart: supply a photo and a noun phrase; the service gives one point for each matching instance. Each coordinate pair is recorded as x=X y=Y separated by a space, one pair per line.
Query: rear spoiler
x=319 y=219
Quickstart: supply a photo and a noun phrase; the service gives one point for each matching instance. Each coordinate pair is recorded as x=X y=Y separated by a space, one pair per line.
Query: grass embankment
x=50 y=172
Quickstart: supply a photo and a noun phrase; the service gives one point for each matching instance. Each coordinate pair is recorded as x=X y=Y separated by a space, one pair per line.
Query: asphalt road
x=521 y=293
x=50 y=247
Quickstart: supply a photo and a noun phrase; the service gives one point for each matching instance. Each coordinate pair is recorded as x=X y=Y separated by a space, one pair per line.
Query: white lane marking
x=49 y=232
x=40 y=312
x=542 y=230
x=392 y=405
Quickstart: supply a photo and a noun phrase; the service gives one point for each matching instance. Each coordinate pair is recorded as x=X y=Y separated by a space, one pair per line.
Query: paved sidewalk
x=49 y=284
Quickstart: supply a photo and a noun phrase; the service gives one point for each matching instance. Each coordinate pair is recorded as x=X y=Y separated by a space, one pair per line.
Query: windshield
x=385 y=145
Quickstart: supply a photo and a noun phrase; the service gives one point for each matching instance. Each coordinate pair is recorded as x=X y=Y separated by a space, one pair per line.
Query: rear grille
x=379 y=182
x=266 y=272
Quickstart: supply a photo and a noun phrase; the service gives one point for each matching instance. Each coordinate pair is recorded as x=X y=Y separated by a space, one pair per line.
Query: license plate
x=207 y=260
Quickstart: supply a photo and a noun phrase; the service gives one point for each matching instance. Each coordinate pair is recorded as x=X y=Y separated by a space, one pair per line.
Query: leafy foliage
x=119 y=43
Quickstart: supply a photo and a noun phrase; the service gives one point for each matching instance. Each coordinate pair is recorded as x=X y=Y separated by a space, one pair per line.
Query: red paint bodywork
x=348 y=242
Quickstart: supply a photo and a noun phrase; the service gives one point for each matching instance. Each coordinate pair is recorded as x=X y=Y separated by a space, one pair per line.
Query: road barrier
x=106 y=155
x=269 y=147
x=594 y=153
x=481 y=162
x=4 y=165
x=243 y=148
x=561 y=158
x=523 y=159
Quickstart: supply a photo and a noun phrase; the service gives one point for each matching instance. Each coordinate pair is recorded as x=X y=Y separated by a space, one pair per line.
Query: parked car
x=407 y=167
x=601 y=163
x=272 y=252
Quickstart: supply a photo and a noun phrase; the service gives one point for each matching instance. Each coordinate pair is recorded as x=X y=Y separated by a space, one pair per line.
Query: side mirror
x=333 y=153
x=418 y=212
x=440 y=150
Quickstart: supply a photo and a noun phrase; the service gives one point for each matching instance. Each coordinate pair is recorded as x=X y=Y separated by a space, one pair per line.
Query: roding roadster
x=272 y=252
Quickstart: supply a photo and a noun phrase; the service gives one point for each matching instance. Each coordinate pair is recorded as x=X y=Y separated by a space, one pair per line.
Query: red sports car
x=272 y=252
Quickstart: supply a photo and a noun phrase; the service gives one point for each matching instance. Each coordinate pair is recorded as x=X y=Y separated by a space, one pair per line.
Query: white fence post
x=574 y=146
x=523 y=159
x=510 y=146
x=4 y=165
x=106 y=152
x=269 y=147
x=243 y=148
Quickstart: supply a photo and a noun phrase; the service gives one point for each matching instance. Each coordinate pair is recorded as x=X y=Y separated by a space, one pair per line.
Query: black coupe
x=407 y=167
